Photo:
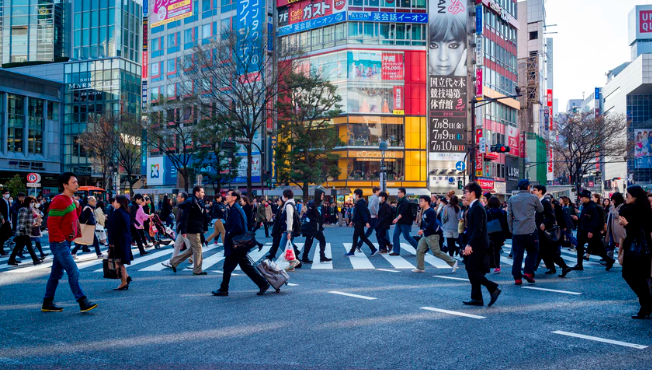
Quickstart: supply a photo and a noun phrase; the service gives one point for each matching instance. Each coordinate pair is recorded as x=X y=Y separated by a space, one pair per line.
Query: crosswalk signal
x=500 y=148
x=459 y=184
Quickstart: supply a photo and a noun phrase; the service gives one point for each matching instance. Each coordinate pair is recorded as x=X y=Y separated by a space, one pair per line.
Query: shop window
x=361 y=168
x=372 y=134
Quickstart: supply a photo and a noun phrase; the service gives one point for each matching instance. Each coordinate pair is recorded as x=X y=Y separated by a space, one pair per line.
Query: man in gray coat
x=521 y=211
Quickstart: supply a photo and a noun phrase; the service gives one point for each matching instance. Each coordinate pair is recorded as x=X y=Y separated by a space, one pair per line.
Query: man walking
x=289 y=224
x=192 y=228
x=7 y=221
x=373 y=207
x=360 y=220
x=182 y=197
x=546 y=220
x=521 y=211
x=236 y=224
x=476 y=261
x=430 y=235
x=588 y=231
x=63 y=228
x=403 y=222
x=314 y=228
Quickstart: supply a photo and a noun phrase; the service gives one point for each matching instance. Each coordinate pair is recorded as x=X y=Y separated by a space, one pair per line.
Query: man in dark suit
x=236 y=224
x=7 y=217
x=548 y=250
x=475 y=253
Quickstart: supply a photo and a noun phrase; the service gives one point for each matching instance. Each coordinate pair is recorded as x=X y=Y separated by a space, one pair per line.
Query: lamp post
x=383 y=169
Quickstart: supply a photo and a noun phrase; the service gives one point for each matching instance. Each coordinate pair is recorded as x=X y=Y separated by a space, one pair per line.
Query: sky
x=591 y=39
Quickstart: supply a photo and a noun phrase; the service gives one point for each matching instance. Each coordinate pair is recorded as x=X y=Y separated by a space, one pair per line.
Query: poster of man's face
x=447 y=47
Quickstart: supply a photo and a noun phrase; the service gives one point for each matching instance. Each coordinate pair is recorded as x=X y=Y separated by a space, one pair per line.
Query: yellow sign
x=478 y=173
x=399 y=112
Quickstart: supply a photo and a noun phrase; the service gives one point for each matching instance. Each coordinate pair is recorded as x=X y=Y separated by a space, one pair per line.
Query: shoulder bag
x=88 y=233
x=494 y=225
x=245 y=241
x=639 y=247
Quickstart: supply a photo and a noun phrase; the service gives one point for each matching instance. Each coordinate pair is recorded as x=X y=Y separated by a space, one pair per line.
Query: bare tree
x=100 y=140
x=237 y=79
x=584 y=139
x=129 y=135
x=307 y=136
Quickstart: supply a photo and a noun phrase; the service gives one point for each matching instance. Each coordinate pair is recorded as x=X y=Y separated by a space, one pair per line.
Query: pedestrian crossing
x=213 y=259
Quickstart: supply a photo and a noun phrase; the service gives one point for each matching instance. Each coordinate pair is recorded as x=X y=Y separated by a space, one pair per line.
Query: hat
x=523 y=183
x=585 y=193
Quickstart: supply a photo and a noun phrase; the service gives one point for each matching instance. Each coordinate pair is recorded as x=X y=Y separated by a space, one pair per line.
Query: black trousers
x=550 y=253
x=308 y=244
x=594 y=245
x=139 y=237
x=475 y=268
x=359 y=233
x=383 y=241
x=452 y=246
x=5 y=234
x=636 y=272
x=240 y=258
x=22 y=241
x=257 y=226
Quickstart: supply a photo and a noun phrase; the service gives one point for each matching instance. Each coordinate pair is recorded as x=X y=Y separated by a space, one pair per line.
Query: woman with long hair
x=120 y=238
x=635 y=217
x=451 y=215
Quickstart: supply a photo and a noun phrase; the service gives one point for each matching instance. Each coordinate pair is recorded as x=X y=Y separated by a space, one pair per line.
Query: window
x=206 y=31
x=53 y=111
x=16 y=111
x=534 y=35
x=35 y=128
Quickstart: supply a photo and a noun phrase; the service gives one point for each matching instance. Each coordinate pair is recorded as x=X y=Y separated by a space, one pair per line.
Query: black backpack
x=296 y=221
x=414 y=210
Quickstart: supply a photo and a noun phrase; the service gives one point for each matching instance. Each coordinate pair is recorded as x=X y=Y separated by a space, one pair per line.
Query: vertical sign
x=551 y=165
x=478 y=19
x=145 y=61
x=479 y=50
x=478 y=82
x=249 y=45
x=447 y=76
x=549 y=98
x=478 y=153
x=143 y=155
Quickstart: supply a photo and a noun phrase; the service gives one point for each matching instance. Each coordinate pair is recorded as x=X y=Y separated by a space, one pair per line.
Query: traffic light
x=500 y=148
x=459 y=184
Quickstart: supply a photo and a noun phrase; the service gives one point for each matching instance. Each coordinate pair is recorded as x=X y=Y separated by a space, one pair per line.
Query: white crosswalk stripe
x=429 y=258
x=316 y=265
x=360 y=260
x=158 y=266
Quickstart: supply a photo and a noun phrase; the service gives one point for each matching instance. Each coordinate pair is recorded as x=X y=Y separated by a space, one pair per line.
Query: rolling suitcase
x=274 y=275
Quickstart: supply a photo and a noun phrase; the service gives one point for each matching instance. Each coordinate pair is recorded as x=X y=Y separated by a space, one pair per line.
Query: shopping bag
x=289 y=252
x=88 y=234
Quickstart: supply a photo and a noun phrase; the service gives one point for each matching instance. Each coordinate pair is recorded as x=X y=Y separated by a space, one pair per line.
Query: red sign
x=145 y=32
x=145 y=66
x=478 y=82
x=513 y=141
x=486 y=184
x=33 y=177
x=478 y=153
x=392 y=66
x=398 y=98
x=551 y=164
x=645 y=21
x=549 y=97
x=306 y=10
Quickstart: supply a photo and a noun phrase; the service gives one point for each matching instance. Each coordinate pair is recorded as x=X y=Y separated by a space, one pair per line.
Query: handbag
x=245 y=241
x=553 y=234
x=111 y=267
x=639 y=247
x=460 y=227
x=88 y=234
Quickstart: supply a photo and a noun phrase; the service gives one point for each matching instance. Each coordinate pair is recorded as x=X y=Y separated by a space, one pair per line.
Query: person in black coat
x=313 y=228
x=385 y=217
x=590 y=226
x=120 y=238
x=497 y=239
x=7 y=219
x=549 y=251
x=236 y=224
x=635 y=217
x=475 y=254
x=361 y=218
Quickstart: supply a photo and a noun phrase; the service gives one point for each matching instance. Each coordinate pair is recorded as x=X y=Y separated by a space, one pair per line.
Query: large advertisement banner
x=514 y=141
x=297 y=16
x=643 y=148
x=166 y=11
x=447 y=78
x=249 y=29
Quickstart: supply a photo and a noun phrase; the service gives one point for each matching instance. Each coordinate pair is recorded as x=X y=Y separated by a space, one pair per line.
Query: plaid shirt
x=25 y=222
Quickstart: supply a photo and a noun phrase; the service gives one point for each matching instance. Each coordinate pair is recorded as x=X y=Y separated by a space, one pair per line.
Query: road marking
x=212 y=260
x=315 y=257
x=551 y=290
x=360 y=261
x=293 y=284
x=597 y=339
x=450 y=277
x=387 y=270
x=158 y=267
x=47 y=265
x=453 y=313
x=438 y=263
x=353 y=295
x=256 y=254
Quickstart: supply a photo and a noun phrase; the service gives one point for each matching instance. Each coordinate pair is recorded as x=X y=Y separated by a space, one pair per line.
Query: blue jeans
x=63 y=261
x=284 y=242
x=405 y=230
x=520 y=244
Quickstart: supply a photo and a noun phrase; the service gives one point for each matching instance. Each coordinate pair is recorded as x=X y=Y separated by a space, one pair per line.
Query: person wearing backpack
x=313 y=228
x=403 y=221
x=361 y=218
x=430 y=233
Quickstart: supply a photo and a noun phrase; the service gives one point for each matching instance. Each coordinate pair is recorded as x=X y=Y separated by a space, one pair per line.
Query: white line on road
x=453 y=313
x=597 y=339
x=438 y=263
x=315 y=257
x=387 y=270
x=353 y=295
x=293 y=284
x=359 y=261
x=450 y=277
x=551 y=290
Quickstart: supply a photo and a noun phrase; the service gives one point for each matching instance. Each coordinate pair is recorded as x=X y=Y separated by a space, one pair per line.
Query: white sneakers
x=456 y=266
x=418 y=270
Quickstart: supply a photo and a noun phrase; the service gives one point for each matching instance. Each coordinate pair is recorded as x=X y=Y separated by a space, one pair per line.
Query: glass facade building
x=32 y=30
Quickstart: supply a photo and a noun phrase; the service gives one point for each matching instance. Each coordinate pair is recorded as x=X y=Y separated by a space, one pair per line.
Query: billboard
x=249 y=28
x=514 y=141
x=155 y=170
x=643 y=148
x=388 y=17
x=166 y=11
x=447 y=75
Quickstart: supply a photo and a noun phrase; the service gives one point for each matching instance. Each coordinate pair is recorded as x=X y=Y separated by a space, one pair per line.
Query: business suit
x=477 y=263
x=5 y=229
x=548 y=251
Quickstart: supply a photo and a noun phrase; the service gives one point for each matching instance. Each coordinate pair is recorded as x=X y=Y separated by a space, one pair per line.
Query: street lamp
x=383 y=169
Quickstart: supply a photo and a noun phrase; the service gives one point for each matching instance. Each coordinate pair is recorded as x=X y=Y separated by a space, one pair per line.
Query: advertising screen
x=447 y=75
x=643 y=148
x=166 y=11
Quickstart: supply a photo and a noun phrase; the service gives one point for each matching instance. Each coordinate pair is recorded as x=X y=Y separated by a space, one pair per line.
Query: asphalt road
x=364 y=313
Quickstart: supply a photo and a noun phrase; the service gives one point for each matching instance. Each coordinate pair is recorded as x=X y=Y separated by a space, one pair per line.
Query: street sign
x=33 y=177
x=33 y=185
x=460 y=166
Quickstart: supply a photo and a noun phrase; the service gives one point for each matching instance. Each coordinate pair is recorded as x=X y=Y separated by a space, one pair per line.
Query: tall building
x=102 y=75
x=535 y=114
x=496 y=77
x=33 y=31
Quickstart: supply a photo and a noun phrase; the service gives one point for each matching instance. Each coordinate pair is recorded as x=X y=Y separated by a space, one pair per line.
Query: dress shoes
x=577 y=268
x=565 y=271
x=494 y=296
x=263 y=289
x=474 y=302
x=220 y=293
